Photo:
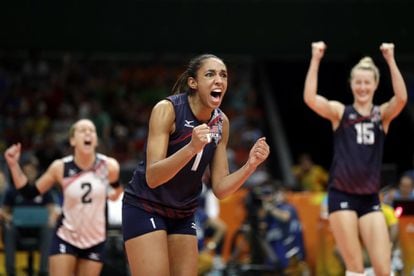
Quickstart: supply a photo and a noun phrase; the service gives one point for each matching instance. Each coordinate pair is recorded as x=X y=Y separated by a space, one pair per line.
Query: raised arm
x=393 y=107
x=44 y=183
x=12 y=156
x=331 y=110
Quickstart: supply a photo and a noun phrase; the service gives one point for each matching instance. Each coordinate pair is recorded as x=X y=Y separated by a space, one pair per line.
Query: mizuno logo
x=189 y=123
x=344 y=205
x=352 y=116
x=72 y=172
x=94 y=256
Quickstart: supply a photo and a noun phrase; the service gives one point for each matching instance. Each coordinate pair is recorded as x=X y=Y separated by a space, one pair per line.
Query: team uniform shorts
x=361 y=204
x=137 y=222
x=94 y=253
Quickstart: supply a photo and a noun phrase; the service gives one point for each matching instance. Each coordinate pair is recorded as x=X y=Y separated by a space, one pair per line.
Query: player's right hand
x=201 y=136
x=12 y=154
x=318 y=49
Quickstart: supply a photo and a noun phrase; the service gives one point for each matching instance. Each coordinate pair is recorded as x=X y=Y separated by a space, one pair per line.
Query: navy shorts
x=95 y=253
x=137 y=222
x=361 y=204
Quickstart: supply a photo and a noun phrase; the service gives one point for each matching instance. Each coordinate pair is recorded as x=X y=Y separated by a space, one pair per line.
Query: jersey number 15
x=365 y=133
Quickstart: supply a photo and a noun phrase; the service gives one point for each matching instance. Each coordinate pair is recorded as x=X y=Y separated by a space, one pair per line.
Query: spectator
x=310 y=176
x=404 y=190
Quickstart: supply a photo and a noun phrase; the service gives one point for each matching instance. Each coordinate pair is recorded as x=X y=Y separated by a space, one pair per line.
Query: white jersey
x=84 y=203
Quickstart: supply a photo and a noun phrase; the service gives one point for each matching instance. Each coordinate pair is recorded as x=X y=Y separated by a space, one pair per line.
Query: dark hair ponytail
x=181 y=85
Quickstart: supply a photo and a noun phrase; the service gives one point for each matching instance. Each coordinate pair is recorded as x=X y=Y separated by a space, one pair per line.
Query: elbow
x=152 y=178
x=152 y=181
x=220 y=196
x=403 y=99
x=308 y=99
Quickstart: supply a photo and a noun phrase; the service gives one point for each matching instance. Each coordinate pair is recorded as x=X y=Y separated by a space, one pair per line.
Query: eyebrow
x=213 y=70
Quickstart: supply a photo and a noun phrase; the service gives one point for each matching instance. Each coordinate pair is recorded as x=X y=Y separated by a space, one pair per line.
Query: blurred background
x=112 y=61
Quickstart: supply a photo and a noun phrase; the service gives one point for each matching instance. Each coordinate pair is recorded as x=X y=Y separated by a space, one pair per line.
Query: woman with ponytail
x=359 y=130
x=188 y=133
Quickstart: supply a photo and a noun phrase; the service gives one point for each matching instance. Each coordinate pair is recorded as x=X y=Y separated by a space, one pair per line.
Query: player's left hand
x=387 y=50
x=259 y=152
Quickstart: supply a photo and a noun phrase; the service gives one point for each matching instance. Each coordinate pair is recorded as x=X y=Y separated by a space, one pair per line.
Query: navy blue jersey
x=358 y=150
x=178 y=197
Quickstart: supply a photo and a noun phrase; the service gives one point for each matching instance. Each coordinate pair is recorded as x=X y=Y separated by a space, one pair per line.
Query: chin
x=363 y=99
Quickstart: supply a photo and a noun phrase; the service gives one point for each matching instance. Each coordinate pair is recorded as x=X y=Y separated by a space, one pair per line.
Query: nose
x=89 y=131
x=218 y=79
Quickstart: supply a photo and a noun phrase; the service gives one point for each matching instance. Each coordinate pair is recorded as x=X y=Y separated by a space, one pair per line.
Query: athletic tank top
x=84 y=203
x=178 y=197
x=358 y=150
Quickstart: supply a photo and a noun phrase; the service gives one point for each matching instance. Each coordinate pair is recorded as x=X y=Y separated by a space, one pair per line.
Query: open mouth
x=87 y=143
x=215 y=94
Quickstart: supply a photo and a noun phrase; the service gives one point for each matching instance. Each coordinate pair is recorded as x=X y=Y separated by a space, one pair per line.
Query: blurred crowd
x=41 y=97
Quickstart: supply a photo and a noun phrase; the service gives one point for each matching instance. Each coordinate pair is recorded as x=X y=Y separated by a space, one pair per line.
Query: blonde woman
x=359 y=133
x=78 y=245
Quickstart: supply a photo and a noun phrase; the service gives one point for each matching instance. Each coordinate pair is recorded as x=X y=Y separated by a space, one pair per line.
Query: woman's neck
x=363 y=108
x=200 y=112
x=84 y=161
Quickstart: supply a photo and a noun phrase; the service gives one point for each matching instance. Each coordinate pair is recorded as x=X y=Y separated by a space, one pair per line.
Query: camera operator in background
x=282 y=230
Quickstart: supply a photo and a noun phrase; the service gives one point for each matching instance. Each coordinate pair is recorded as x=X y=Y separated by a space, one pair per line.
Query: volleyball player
x=77 y=247
x=187 y=133
x=359 y=133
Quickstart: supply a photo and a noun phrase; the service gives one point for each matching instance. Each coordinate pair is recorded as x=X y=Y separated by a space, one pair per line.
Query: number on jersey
x=365 y=133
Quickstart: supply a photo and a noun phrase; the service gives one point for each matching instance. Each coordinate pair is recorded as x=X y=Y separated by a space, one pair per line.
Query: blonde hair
x=366 y=63
x=74 y=125
x=72 y=130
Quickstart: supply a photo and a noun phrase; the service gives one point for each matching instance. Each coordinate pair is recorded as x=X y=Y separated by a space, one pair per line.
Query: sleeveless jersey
x=178 y=197
x=84 y=203
x=358 y=150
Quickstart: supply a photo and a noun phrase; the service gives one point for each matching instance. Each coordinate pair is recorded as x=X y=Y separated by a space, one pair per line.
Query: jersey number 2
x=88 y=188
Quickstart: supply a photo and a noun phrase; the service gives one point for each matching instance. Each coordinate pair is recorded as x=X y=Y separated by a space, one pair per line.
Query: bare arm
x=277 y=213
x=12 y=156
x=52 y=175
x=390 y=109
x=223 y=183
x=113 y=176
x=331 y=110
x=161 y=168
